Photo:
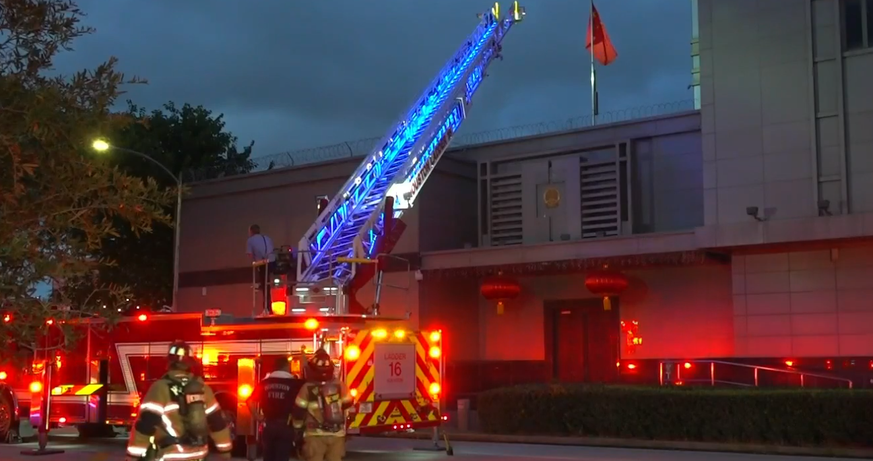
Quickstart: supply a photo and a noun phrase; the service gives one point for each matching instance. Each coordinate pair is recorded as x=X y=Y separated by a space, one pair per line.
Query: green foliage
x=57 y=203
x=767 y=416
x=181 y=139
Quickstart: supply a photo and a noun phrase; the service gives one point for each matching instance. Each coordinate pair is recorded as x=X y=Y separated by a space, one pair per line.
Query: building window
x=857 y=24
x=695 y=54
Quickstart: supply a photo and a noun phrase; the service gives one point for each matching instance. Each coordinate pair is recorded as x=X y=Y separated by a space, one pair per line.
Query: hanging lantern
x=500 y=289
x=606 y=283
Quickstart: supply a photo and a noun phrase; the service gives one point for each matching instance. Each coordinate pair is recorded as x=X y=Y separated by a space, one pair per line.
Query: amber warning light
x=352 y=353
x=245 y=391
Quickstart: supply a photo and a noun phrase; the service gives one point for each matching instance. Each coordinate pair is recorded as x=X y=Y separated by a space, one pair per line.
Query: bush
x=765 y=416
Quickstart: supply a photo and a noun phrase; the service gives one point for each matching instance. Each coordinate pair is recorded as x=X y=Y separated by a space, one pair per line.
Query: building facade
x=744 y=228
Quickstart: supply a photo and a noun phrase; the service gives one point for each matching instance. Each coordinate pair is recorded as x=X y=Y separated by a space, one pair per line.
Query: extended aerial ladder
x=349 y=228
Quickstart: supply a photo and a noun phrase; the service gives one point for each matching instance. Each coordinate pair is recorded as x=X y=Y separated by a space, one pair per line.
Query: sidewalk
x=456 y=436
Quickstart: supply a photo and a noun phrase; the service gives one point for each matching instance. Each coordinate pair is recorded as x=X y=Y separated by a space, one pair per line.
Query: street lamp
x=101 y=145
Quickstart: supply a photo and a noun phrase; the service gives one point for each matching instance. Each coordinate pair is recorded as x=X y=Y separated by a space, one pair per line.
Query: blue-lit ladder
x=402 y=161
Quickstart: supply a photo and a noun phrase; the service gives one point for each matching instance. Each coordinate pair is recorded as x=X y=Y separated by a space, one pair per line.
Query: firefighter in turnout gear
x=275 y=396
x=178 y=414
x=325 y=400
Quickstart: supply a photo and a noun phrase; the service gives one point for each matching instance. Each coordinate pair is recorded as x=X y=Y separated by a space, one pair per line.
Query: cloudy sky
x=294 y=74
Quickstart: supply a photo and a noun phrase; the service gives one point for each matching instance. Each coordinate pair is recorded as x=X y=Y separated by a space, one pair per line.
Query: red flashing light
x=7 y=318
x=49 y=322
x=3 y=376
x=311 y=324
x=142 y=317
x=631 y=366
x=687 y=365
x=789 y=363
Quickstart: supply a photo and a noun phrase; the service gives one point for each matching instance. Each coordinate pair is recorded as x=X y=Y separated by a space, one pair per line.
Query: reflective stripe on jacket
x=160 y=423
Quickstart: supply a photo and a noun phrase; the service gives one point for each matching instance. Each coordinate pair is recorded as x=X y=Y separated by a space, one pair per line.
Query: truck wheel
x=7 y=418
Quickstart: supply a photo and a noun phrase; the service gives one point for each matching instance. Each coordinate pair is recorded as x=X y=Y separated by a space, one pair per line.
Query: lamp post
x=101 y=145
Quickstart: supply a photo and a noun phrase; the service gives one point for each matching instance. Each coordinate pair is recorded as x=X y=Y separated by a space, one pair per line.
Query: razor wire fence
x=362 y=147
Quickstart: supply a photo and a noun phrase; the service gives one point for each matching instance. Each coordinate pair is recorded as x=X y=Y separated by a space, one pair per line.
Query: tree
x=181 y=139
x=58 y=203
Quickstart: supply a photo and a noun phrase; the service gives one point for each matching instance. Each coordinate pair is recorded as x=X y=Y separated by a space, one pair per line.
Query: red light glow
x=142 y=317
x=631 y=366
x=687 y=365
x=789 y=363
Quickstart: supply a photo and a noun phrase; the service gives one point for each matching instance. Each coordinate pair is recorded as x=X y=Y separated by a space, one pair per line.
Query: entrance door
x=582 y=340
x=570 y=345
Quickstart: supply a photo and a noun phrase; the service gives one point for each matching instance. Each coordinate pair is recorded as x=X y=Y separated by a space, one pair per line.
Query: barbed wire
x=362 y=147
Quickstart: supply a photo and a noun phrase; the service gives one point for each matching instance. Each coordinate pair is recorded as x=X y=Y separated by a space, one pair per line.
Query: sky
x=294 y=74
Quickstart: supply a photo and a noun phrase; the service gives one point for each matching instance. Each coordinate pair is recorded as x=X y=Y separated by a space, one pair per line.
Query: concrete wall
x=216 y=216
x=782 y=110
x=683 y=312
x=804 y=304
x=632 y=177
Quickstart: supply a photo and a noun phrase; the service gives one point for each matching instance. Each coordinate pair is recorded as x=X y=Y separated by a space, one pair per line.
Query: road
x=380 y=449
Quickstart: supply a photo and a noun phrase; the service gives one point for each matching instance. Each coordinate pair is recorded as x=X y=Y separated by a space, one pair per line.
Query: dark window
x=869 y=23
x=853 y=24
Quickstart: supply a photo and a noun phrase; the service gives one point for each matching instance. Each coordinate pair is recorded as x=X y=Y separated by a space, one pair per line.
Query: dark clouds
x=293 y=74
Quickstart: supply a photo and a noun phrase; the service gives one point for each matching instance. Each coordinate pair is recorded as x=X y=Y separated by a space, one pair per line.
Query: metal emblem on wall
x=552 y=197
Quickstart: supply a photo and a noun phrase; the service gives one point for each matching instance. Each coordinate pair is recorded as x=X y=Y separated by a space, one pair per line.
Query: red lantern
x=606 y=284
x=500 y=289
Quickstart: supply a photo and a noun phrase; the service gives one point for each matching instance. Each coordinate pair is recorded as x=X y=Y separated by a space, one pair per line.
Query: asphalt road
x=380 y=449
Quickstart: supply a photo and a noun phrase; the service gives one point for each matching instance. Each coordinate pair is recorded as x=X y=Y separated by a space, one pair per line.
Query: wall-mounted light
x=753 y=212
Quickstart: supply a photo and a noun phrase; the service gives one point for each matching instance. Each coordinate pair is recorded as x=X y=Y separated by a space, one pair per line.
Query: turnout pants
x=324 y=448
x=278 y=441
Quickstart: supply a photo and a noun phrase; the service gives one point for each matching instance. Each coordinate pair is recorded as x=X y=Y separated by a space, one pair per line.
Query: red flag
x=603 y=50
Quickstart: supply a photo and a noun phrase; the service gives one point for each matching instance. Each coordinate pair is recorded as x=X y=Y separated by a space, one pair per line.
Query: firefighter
x=324 y=399
x=178 y=414
x=275 y=395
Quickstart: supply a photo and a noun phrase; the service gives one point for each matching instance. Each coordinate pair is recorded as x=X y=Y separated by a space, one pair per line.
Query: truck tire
x=8 y=431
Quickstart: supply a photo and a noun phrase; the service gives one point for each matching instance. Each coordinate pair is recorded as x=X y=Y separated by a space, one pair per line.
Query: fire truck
x=394 y=371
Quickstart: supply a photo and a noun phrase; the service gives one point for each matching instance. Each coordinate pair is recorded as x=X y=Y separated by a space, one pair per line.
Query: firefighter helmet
x=321 y=366
x=180 y=355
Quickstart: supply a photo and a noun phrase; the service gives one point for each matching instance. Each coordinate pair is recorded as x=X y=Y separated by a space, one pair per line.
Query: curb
x=837 y=452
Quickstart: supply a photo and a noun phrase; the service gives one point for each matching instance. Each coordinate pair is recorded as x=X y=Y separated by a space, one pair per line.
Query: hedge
x=762 y=416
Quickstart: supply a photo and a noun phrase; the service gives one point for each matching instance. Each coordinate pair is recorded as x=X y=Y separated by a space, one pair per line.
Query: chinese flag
x=602 y=48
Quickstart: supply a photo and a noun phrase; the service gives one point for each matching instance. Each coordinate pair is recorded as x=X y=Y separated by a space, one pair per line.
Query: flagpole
x=593 y=73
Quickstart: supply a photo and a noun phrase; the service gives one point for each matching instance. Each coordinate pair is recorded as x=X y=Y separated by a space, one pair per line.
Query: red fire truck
x=393 y=372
